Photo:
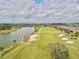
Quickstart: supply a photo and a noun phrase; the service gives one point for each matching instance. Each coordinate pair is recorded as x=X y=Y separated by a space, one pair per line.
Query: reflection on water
x=7 y=40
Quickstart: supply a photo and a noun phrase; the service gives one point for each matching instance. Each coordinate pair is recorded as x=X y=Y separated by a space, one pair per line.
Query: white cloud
x=51 y=9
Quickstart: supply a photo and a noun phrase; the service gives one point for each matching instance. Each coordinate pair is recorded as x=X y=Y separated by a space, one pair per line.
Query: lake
x=7 y=39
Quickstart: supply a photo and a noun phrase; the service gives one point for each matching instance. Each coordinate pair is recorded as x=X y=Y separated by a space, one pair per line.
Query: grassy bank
x=39 y=49
x=7 y=31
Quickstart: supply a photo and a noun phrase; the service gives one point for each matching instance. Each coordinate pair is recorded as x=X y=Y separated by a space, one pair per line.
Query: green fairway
x=40 y=49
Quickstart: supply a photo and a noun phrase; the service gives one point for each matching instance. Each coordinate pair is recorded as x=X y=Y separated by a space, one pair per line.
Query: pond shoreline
x=22 y=41
x=32 y=38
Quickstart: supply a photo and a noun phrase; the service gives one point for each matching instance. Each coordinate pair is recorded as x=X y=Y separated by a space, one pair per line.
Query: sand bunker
x=64 y=38
x=61 y=35
x=33 y=37
x=69 y=42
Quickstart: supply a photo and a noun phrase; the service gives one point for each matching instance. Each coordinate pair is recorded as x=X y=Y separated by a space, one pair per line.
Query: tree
x=14 y=41
x=76 y=35
x=59 y=51
x=1 y=49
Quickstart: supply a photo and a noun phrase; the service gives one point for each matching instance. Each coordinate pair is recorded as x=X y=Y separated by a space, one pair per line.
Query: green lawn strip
x=13 y=52
x=10 y=48
x=34 y=51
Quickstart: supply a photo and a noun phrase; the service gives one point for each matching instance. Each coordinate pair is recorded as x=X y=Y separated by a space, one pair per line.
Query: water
x=7 y=39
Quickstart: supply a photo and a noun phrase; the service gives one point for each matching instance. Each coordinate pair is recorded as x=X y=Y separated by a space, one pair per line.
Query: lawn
x=2 y=32
x=40 y=49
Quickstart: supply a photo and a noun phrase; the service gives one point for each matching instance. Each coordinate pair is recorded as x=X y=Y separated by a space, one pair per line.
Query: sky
x=38 y=1
x=39 y=11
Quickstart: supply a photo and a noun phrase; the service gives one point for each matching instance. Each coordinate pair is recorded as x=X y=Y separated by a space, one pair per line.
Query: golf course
x=39 y=49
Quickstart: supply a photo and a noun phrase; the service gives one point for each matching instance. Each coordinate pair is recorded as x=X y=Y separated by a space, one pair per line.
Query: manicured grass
x=2 y=32
x=5 y=51
x=40 y=49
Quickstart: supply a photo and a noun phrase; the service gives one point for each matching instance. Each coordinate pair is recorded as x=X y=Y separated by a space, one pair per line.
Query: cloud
x=30 y=12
